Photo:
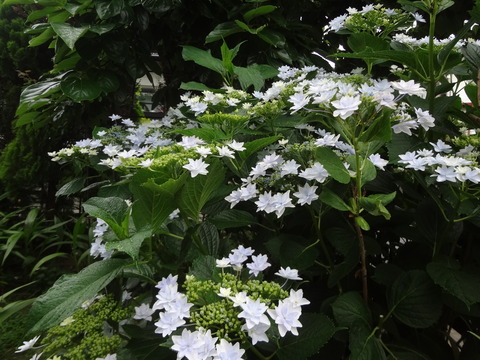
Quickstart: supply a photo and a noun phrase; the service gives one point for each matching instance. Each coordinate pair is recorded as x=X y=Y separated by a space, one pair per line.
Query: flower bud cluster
x=88 y=333
x=230 y=311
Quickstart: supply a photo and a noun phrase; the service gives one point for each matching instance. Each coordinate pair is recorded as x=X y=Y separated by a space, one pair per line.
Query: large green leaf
x=209 y=238
x=248 y=76
x=261 y=10
x=203 y=58
x=461 y=284
x=380 y=129
x=72 y=187
x=197 y=191
x=349 y=308
x=154 y=203
x=70 y=291
x=414 y=299
x=79 y=87
x=44 y=36
x=112 y=210
x=315 y=332
x=221 y=31
x=333 y=164
x=41 y=89
x=132 y=244
x=68 y=33
x=363 y=41
x=232 y=218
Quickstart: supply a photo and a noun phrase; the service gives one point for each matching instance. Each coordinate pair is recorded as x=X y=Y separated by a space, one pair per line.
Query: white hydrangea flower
x=27 y=345
x=196 y=167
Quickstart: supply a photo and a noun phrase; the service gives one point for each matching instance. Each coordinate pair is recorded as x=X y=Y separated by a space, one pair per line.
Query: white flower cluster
x=98 y=247
x=175 y=307
x=274 y=167
x=443 y=166
x=382 y=15
x=127 y=141
x=423 y=42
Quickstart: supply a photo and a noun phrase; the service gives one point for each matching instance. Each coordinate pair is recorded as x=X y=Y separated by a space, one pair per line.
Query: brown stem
x=363 y=258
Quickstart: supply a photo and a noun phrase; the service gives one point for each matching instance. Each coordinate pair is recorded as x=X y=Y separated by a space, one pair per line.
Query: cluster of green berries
x=87 y=333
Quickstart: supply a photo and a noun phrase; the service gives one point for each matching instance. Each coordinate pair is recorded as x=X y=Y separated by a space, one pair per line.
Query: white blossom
x=196 y=167
x=288 y=273
x=306 y=194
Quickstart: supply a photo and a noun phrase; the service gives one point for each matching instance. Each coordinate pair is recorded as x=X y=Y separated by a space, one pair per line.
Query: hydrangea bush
x=359 y=195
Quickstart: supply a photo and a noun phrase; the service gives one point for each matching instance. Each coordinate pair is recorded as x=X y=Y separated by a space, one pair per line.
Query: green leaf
x=70 y=291
x=80 y=87
x=196 y=86
x=331 y=199
x=472 y=54
x=380 y=129
x=400 y=144
x=109 y=8
x=4 y=296
x=415 y=300
x=44 y=260
x=247 y=28
x=255 y=145
x=197 y=191
x=368 y=170
x=364 y=225
x=68 y=33
x=41 y=89
x=153 y=203
x=349 y=308
x=221 y=31
x=461 y=284
x=375 y=204
x=132 y=244
x=406 y=58
x=203 y=58
x=106 y=80
x=204 y=268
x=44 y=36
x=363 y=344
x=259 y=11
x=266 y=71
x=13 y=308
x=11 y=242
x=333 y=164
x=72 y=187
x=101 y=29
x=207 y=134
x=363 y=41
x=315 y=332
x=232 y=218
x=276 y=39
x=112 y=210
x=209 y=238
x=38 y=14
x=17 y=2
x=249 y=76
x=227 y=58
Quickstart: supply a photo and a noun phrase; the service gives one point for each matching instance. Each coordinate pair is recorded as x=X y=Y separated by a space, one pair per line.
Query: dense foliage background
x=79 y=62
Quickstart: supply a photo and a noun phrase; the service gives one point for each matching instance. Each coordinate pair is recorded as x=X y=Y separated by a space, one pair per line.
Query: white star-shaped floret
x=306 y=194
x=196 y=167
x=288 y=273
